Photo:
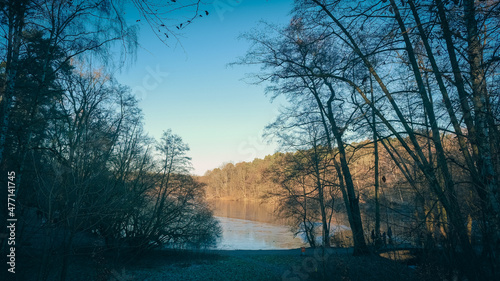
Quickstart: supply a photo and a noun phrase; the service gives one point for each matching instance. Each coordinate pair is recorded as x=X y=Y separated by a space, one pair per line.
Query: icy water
x=250 y=225
x=238 y=234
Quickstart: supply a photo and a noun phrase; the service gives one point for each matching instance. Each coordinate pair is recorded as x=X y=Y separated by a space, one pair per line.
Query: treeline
x=86 y=174
x=305 y=188
x=424 y=73
x=258 y=180
x=244 y=180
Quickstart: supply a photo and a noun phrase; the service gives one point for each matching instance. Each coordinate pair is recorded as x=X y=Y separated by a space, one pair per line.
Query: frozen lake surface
x=240 y=234
x=248 y=225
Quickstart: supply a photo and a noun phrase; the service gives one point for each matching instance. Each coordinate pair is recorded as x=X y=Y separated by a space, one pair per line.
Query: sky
x=188 y=86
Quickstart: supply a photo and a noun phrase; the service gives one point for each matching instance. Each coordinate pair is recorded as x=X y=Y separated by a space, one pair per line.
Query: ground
x=334 y=264
x=290 y=265
x=286 y=265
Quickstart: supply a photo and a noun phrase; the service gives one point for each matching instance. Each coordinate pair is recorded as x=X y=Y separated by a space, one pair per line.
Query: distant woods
x=419 y=80
x=245 y=180
x=86 y=171
x=305 y=189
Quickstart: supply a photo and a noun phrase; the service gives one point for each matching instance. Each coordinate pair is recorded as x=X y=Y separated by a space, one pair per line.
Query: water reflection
x=245 y=210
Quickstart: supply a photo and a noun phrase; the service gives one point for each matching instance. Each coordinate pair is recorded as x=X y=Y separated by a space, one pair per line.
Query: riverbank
x=335 y=264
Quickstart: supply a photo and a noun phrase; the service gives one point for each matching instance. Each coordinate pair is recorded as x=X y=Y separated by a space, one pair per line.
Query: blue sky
x=191 y=90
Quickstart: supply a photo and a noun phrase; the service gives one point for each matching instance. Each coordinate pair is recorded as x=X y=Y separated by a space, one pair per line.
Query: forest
x=86 y=176
x=392 y=121
x=385 y=96
x=303 y=188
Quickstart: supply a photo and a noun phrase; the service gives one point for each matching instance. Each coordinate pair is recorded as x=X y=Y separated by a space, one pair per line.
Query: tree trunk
x=447 y=196
x=344 y=173
x=321 y=198
x=376 y=167
x=488 y=185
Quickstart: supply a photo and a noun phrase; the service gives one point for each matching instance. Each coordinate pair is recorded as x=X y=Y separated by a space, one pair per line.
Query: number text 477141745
x=11 y=221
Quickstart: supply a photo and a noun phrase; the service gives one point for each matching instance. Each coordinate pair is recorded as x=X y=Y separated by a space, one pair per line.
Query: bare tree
x=345 y=23
x=306 y=177
x=297 y=62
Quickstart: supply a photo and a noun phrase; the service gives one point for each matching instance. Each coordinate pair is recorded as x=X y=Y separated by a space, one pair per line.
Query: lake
x=249 y=225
